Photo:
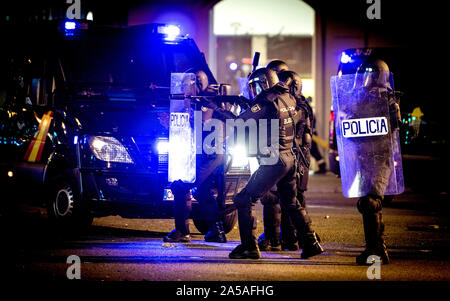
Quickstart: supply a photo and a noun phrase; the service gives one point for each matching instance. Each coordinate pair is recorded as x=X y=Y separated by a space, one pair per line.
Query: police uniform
x=208 y=185
x=370 y=206
x=273 y=104
x=367 y=162
x=274 y=213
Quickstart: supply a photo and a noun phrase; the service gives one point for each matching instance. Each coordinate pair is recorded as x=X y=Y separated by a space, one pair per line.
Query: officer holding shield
x=208 y=184
x=368 y=145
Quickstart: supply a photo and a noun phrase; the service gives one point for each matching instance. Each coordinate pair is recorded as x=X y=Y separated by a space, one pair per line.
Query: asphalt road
x=114 y=248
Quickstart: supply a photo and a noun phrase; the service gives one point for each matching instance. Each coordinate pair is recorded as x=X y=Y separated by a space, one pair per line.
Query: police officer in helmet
x=279 y=232
x=372 y=79
x=303 y=140
x=271 y=101
x=208 y=185
x=274 y=215
x=277 y=66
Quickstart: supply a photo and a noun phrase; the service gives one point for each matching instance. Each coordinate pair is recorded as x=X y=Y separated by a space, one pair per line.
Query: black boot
x=182 y=212
x=247 y=230
x=373 y=233
x=311 y=246
x=243 y=252
x=270 y=239
x=216 y=233
x=265 y=244
x=176 y=236
x=289 y=239
x=302 y=222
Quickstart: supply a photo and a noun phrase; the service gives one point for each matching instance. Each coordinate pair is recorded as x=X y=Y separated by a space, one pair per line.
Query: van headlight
x=241 y=161
x=239 y=157
x=109 y=149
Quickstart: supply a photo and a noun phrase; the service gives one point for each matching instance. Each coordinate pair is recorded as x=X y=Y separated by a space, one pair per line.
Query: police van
x=84 y=120
x=423 y=142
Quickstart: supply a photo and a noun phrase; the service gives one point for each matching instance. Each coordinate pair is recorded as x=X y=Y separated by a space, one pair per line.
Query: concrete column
x=212 y=53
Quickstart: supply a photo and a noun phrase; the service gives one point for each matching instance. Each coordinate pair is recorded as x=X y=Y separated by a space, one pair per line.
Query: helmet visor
x=255 y=86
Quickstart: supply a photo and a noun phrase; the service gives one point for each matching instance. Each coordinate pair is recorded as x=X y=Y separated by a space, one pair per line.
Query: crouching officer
x=208 y=185
x=279 y=232
x=271 y=101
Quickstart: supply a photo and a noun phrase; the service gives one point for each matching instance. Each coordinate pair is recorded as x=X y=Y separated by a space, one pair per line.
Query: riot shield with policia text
x=182 y=139
x=367 y=134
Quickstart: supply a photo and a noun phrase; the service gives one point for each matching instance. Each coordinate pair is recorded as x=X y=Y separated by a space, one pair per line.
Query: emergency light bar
x=170 y=31
x=70 y=25
x=345 y=58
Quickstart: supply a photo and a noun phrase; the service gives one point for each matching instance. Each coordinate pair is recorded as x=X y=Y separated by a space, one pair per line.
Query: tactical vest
x=286 y=123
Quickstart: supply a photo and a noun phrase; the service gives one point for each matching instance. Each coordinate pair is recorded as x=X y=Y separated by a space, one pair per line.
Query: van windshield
x=125 y=60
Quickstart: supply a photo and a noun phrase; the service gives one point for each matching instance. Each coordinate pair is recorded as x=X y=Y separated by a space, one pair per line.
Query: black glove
x=207 y=102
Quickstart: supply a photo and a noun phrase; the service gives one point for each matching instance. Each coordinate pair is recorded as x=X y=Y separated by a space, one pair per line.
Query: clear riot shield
x=243 y=87
x=367 y=134
x=182 y=140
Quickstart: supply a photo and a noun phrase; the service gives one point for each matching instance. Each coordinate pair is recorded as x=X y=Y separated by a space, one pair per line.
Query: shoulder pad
x=280 y=88
x=265 y=97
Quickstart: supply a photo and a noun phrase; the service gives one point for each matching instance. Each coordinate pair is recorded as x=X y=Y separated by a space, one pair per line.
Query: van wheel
x=65 y=208
x=229 y=220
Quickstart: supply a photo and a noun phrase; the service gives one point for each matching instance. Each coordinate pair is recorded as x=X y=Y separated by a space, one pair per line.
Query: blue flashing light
x=345 y=58
x=70 y=25
x=233 y=66
x=171 y=31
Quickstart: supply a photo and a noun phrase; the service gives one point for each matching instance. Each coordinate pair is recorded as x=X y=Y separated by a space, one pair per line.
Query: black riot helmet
x=277 y=66
x=292 y=80
x=372 y=73
x=260 y=80
x=201 y=80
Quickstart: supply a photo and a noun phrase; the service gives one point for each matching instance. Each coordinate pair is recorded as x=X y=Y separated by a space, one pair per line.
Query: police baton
x=255 y=62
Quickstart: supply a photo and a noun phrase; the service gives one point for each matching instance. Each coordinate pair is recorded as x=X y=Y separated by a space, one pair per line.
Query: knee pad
x=205 y=196
x=270 y=198
x=369 y=204
x=243 y=199
x=179 y=188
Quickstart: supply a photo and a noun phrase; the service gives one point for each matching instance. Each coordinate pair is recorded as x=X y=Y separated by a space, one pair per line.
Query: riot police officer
x=277 y=66
x=375 y=81
x=271 y=102
x=303 y=141
x=279 y=232
x=209 y=182
x=370 y=159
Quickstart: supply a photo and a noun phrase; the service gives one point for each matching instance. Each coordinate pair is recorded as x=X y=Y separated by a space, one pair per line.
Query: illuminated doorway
x=281 y=29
